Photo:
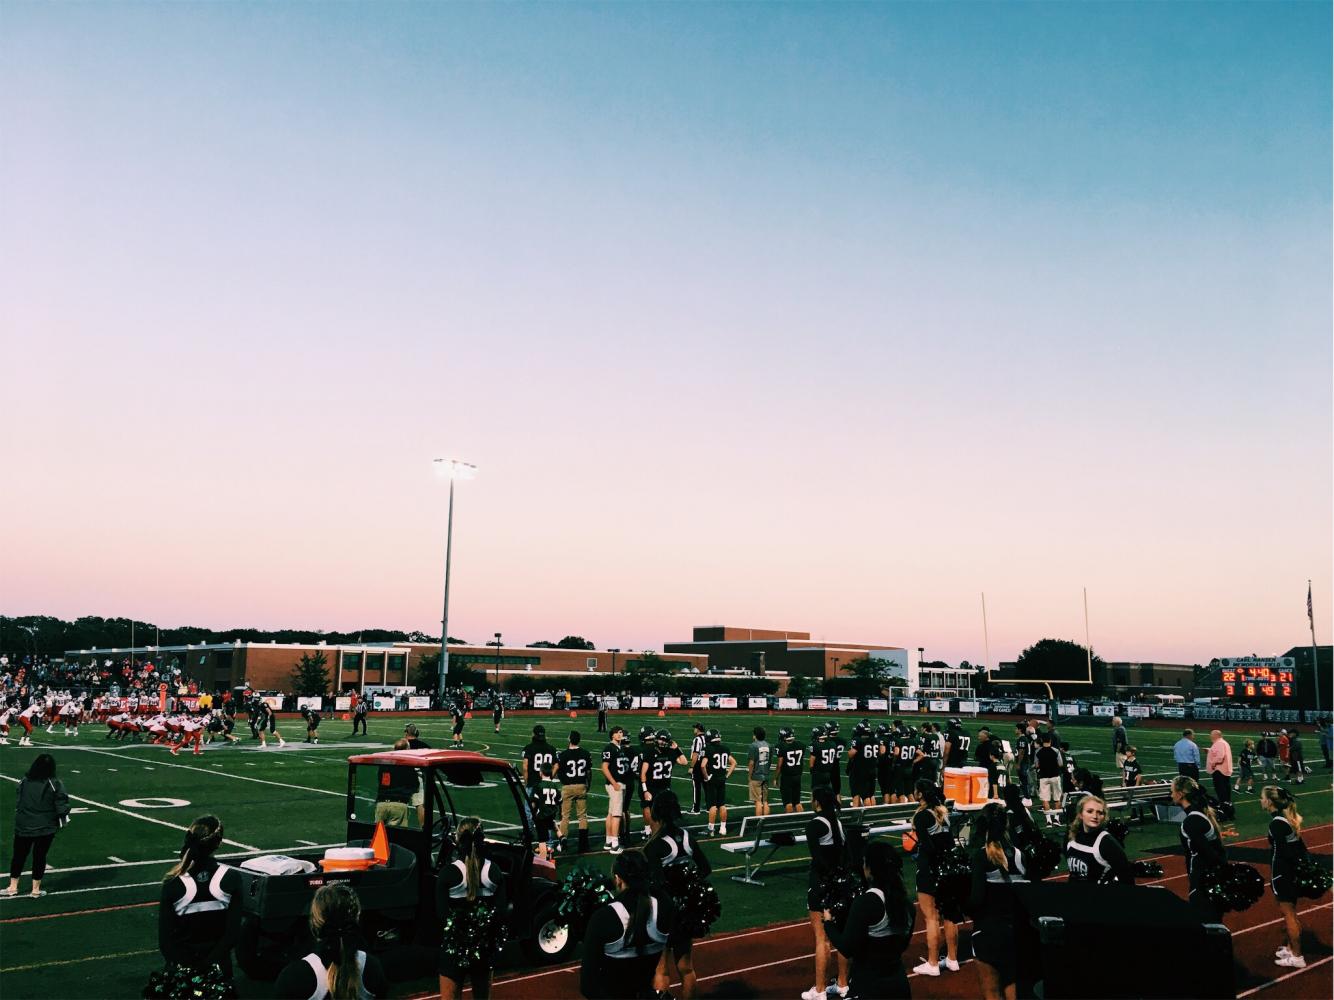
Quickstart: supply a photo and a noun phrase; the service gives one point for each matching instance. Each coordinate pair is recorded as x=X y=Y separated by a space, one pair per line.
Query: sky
x=823 y=317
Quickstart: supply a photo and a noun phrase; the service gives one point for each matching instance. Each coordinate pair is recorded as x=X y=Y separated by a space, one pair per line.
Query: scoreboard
x=1259 y=679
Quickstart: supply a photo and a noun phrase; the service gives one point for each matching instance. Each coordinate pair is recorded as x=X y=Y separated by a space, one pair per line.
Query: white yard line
x=172 y=861
x=1295 y=972
x=134 y=815
x=227 y=774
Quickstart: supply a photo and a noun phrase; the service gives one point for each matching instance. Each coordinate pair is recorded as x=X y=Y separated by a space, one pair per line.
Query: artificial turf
x=95 y=933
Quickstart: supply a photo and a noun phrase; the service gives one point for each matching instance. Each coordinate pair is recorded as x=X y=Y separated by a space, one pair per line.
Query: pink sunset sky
x=737 y=332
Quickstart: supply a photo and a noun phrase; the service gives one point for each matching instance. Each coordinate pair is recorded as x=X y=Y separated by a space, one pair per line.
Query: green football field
x=95 y=933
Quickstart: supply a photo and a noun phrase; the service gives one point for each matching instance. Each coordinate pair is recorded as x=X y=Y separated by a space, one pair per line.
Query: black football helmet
x=785 y=734
x=713 y=736
x=819 y=734
x=645 y=733
x=663 y=738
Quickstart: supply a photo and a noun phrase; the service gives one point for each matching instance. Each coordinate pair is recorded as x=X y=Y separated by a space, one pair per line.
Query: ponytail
x=632 y=868
x=828 y=802
x=1284 y=805
x=994 y=831
x=666 y=809
x=334 y=914
x=932 y=799
x=1198 y=799
x=201 y=840
x=470 y=840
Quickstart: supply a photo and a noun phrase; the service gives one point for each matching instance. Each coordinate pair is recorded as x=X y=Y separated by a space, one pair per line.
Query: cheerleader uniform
x=875 y=940
x=614 y=967
x=1204 y=851
x=451 y=892
x=1287 y=848
x=308 y=978
x=826 y=854
x=933 y=840
x=197 y=923
x=676 y=847
x=993 y=907
x=1095 y=856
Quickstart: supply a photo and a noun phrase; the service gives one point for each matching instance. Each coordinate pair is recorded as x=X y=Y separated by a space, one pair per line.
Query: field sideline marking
x=227 y=774
x=77 y=913
x=1298 y=972
x=146 y=819
x=76 y=961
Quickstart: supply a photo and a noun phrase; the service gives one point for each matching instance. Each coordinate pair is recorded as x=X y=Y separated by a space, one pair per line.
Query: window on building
x=398 y=665
x=591 y=662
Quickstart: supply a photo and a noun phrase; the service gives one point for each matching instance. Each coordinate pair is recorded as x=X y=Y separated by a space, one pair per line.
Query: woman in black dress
x=826 y=842
x=997 y=867
x=1285 y=841
x=626 y=938
x=199 y=913
x=1201 y=839
x=339 y=967
x=672 y=845
x=1091 y=853
x=878 y=929
x=468 y=880
x=931 y=828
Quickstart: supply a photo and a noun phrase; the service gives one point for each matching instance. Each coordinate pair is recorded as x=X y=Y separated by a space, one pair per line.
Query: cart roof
x=429 y=758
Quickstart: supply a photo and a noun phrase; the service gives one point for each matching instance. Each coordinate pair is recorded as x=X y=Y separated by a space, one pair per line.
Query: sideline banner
x=789 y=705
x=343 y=704
x=754 y=702
x=274 y=701
x=725 y=702
x=311 y=703
x=419 y=701
x=1104 y=711
x=1064 y=709
x=1035 y=708
x=817 y=702
x=671 y=701
x=383 y=703
x=877 y=705
x=543 y=700
x=968 y=706
x=1137 y=711
x=649 y=701
x=907 y=704
x=699 y=701
x=1172 y=712
x=847 y=704
x=938 y=706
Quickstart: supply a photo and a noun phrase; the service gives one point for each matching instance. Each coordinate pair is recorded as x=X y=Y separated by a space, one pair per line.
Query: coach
x=1219 y=765
x=1187 y=755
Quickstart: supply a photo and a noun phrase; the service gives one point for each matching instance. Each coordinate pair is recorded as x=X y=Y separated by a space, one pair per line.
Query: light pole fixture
x=613 y=653
x=497 y=643
x=453 y=469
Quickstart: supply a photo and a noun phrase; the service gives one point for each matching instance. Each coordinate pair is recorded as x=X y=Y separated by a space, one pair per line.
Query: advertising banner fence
x=818 y=703
x=789 y=705
x=416 y=702
x=343 y=704
x=1035 y=708
x=1067 y=709
x=846 y=705
x=877 y=705
x=727 y=701
x=907 y=704
x=383 y=703
x=308 y=702
x=938 y=705
x=699 y=701
x=671 y=701
x=1104 y=711
x=543 y=701
x=968 y=707
x=757 y=702
x=1137 y=711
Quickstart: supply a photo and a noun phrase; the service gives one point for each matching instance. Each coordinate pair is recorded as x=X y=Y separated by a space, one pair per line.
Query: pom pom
x=1120 y=830
x=836 y=894
x=1311 y=878
x=177 y=982
x=954 y=881
x=583 y=891
x=1147 y=869
x=1233 y=887
x=473 y=935
x=697 y=902
x=1041 y=857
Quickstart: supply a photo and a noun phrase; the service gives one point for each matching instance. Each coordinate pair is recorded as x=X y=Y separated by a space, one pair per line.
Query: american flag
x=1310 y=613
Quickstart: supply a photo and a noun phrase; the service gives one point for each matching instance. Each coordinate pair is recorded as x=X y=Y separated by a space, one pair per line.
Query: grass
x=95 y=934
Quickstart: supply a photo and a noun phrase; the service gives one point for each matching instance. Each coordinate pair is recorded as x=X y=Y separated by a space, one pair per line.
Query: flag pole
x=986 y=640
x=1315 y=650
x=1088 y=643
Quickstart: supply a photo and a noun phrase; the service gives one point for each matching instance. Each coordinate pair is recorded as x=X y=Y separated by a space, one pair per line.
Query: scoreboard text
x=1260 y=683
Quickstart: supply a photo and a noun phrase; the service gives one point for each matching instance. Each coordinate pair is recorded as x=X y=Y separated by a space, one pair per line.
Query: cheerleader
x=671 y=845
x=467 y=881
x=878 y=929
x=997 y=867
x=339 y=967
x=1091 y=853
x=825 y=840
x=626 y=938
x=199 y=913
x=931 y=829
x=1201 y=839
x=1285 y=840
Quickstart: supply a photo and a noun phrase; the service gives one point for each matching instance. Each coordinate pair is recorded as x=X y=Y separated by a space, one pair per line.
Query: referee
x=697 y=742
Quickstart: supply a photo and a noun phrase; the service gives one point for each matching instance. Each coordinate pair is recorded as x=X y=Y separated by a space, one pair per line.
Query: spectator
x=42 y=809
x=1186 y=753
x=1267 y=750
x=1050 y=768
x=758 y=762
x=1327 y=741
x=1296 y=757
x=1283 y=744
x=340 y=966
x=1247 y=759
x=1119 y=742
x=1219 y=765
x=199 y=912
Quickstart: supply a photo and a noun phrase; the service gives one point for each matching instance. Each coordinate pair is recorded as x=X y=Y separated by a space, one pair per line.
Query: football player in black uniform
x=575 y=767
x=718 y=767
x=823 y=761
x=616 y=771
x=958 y=745
x=637 y=755
x=842 y=746
x=459 y=715
x=538 y=758
x=863 y=764
x=885 y=765
x=906 y=752
x=790 y=759
x=655 y=772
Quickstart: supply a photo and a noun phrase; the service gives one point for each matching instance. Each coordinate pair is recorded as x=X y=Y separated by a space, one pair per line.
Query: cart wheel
x=552 y=940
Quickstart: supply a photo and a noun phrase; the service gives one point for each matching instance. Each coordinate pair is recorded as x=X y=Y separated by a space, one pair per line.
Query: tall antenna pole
x=1088 y=643
x=986 y=639
x=1315 y=650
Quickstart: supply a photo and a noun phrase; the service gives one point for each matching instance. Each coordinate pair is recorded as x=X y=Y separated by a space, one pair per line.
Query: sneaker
x=722 y=831
x=8 y=891
x=927 y=969
x=1283 y=949
x=838 y=991
x=615 y=849
x=953 y=966
x=39 y=893
x=1291 y=961
x=814 y=993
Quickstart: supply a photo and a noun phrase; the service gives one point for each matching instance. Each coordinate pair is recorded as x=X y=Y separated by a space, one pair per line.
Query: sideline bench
x=1138 y=801
x=778 y=830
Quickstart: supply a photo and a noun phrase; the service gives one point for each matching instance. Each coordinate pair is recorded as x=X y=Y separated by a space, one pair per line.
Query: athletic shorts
x=903 y=782
x=836 y=782
x=886 y=777
x=1049 y=789
x=313 y=724
x=1285 y=887
x=458 y=729
x=715 y=794
x=790 y=792
x=927 y=880
x=863 y=785
x=759 y=790
x=616 y=799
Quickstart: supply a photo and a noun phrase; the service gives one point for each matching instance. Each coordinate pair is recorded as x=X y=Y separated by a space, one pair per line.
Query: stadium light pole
x=453 y=469
x=613 y=653
x=497 y=644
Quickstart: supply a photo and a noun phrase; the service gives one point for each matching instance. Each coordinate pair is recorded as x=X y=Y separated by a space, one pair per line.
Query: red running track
x=777 y=961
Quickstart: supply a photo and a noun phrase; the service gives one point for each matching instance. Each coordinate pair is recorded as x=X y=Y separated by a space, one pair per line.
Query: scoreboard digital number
x=1258 y=683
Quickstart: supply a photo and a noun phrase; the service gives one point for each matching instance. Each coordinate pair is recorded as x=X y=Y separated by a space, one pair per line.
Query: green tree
x=804 y=687
x=426 y=674
x=648 y=664
x=1057 y=660
x=310 y=677
x=575 y=642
